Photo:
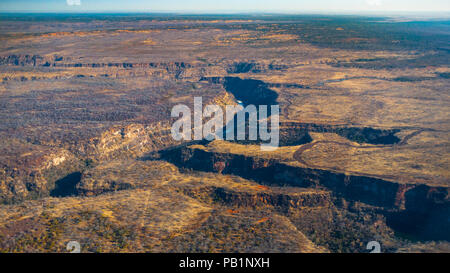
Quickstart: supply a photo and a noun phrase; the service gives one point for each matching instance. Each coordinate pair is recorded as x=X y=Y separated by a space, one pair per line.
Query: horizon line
x=229 y=12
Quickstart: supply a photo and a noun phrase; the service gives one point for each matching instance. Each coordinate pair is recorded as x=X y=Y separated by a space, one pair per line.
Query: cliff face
x=411 y=204
x=210 y=188
x=61 y=61
x=254 y=67
x=30 y=170
x=127 y=141
x=284 y=199
x=61 y=65
x=29 y=60
x=175 y=68
x=33 y=172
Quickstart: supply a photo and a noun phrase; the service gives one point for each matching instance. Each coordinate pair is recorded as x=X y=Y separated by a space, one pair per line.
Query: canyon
x=87 y=154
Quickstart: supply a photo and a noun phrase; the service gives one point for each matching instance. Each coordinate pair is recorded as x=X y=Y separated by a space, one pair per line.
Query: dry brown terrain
x=86 y=152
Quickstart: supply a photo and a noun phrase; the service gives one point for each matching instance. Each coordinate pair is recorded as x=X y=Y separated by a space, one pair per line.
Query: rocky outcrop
x=253 y=67
x=356 y=134
x=60 y=61
x=34 y=174
x=281 y=198
x=124 y=174
x=30 y=60
x=127 y=141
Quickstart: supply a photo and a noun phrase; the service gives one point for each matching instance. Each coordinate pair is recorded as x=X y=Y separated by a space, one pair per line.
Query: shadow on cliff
x=66 y=186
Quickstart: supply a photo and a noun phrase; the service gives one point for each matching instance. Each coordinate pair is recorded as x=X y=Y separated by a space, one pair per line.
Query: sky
x=217 y=6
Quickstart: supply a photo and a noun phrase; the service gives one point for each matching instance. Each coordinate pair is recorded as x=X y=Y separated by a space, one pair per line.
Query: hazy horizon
x=354 y=7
